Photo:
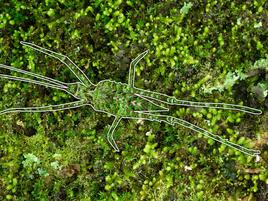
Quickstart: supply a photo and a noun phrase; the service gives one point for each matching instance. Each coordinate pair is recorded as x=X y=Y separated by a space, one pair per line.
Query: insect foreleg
x=80 y=75
x=46 y=84
x=49 y=108
x=71 y=88
x=37 y=76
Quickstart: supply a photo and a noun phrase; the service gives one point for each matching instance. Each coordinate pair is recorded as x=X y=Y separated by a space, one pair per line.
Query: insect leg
x=110 y=133
x=10 y=77
x=131 y=75
x=225 y=106
x=41 y=77
x=159 y=107
x=176 y=121
x=80 y=75
x=163 y=98
x=71 y=88
x=49 y=108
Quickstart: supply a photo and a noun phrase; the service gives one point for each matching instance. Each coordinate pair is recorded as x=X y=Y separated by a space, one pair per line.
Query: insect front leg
x=33 y=75
x=49 y=108
x=71 y=88
x=46 y=84
x=79 y=74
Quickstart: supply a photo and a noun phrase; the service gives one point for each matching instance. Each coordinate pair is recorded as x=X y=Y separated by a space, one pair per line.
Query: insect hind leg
x=176 y=121
x=163 y=98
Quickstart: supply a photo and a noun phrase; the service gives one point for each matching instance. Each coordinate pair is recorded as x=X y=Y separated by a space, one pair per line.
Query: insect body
x=120 y=100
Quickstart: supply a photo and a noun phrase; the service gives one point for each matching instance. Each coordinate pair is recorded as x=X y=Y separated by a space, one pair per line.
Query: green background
x=215 y=50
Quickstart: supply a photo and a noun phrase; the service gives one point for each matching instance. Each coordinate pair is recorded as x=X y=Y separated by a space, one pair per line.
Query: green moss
x=213 y=51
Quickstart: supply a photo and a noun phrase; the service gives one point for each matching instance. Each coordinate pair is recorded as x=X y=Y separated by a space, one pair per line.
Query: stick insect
x=120 y=100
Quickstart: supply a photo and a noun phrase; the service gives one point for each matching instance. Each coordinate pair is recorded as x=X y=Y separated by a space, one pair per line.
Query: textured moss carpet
x=214 y=50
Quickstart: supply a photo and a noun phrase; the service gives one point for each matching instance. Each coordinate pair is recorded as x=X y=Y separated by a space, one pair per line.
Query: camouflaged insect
x=120 y=100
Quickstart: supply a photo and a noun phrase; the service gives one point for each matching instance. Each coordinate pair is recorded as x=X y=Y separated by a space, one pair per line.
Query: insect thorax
x=113 y=97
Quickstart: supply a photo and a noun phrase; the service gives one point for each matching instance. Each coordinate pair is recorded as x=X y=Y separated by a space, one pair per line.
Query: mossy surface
x=215 y=51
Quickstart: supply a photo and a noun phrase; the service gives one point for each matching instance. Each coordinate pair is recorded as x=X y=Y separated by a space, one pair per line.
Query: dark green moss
x=207 y=51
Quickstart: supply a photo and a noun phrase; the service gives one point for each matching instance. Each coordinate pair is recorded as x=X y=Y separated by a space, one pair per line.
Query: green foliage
x=261 y=88
x=186 y=7
x=30 y=160
x=212 y=51
x=229 y=80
